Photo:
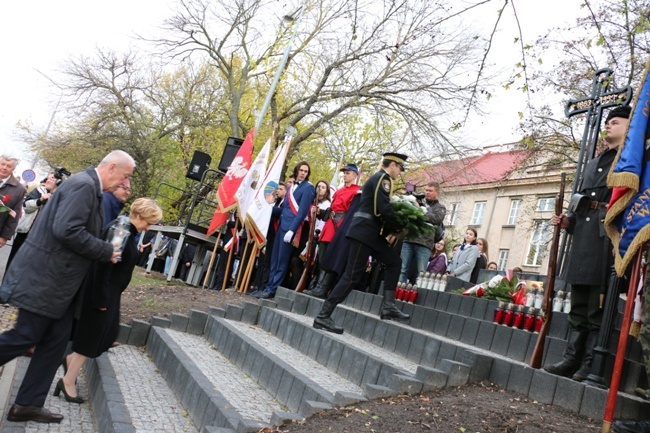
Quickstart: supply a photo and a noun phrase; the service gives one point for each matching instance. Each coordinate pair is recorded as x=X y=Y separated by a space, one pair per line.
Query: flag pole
x=622 y=343
x=241 y=270
x=278 y=73
x=214 y=253
x=230 y=254
x=249 y=269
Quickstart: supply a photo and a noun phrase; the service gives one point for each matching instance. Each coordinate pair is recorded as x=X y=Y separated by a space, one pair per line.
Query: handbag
x=26 y=220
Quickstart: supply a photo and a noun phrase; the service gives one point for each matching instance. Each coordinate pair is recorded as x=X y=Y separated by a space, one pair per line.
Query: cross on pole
x=601 y=98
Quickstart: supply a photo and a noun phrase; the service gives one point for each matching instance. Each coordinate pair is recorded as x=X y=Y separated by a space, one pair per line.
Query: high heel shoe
x=60 y=387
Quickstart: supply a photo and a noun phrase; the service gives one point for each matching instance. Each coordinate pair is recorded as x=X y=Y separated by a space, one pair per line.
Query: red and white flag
x=258 y=216
x=231 y=181
x=248 y=187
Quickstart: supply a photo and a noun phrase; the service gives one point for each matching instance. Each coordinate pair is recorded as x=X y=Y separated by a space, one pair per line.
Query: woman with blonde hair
x=98 y=324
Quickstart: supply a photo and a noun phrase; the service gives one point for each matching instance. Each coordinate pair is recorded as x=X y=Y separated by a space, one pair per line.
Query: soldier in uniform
x=590 y=257
x=368 y=232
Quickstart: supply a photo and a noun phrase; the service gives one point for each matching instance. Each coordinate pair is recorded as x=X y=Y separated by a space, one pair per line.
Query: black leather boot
x=585 y=367
x=573 y=353
x=325 y=283
x=324 y=320
x=388 y=308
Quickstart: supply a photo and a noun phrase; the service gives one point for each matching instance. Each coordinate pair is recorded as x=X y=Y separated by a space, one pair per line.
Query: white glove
x=288 y=236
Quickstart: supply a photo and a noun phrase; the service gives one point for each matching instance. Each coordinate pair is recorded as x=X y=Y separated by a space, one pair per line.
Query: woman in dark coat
x=98 y=324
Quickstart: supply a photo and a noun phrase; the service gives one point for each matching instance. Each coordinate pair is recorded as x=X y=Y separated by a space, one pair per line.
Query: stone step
x=502 y=352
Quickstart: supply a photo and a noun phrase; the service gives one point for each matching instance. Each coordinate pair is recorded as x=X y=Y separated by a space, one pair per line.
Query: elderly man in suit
x=294 y=210
x=11 y=194
x=46 y=274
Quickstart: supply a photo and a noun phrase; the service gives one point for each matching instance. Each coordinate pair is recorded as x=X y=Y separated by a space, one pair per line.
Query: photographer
x=34 y=202
x=419 y=249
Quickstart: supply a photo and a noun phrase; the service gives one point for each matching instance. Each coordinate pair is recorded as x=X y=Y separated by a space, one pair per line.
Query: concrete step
x=434 y=334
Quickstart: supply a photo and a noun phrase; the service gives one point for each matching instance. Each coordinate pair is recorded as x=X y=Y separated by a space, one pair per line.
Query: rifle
x=547 y=307
x=311 y=248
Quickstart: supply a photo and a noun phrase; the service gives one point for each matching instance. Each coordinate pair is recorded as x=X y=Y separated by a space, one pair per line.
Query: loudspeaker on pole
x=199 y=164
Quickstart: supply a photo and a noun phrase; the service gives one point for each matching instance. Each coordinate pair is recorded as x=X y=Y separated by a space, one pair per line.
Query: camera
x=60 y=172
x=420 y=199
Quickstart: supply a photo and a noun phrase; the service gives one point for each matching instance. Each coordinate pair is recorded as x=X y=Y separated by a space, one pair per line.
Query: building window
x=514 y=212
x=546 y=204
x=453 y=214
x=503 y=259
x=538 y=241
x=477 y=215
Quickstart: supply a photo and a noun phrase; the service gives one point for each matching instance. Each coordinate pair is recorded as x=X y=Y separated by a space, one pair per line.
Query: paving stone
x=479 y=309
x=432 y=378
x=554 y=350
x=559 y=326
x=568 y=394
x=418 y=317
x=359 y=323
x=403 y=341
x=300 y=304
x=431 y=299
x=284 y=304
x=375 y=308
x=442 y=323
x=139 y=332
x=470 y=331
x=501 y=340
x=216 y=311
x=370 y=373
x=310 y=408
x=485 y=335
x=442 y=301
x=446 y=351
x=518 y=346
x=346 y=361
x=366 y=305
x=500 y=372
x=314 y=307
x=250 y=313
x=324 y=349
x=416 y=347
x=179 y=321
x=295 y=395
x=457 y=372
x=491 y=305
x=520 y=378
x=429 y=322
x=314 y=344
x=305 y=341
x=335 y=355
x=357 y=301
x=123 y=333
x=198 y=320
x=161 y=322
x=480 y=362
x=406 y=308
x=430 y=352
x=358 y=368
x=377 y=391
x=453 y=306
x=344 y=398
x=279 y=418
x=455 y=329
x=466 y=305
x=593 y=402
x=390 y=338
x=348 y=319
x=402 y=383
x=542 y=386
x=369 y=327
x=285 y=388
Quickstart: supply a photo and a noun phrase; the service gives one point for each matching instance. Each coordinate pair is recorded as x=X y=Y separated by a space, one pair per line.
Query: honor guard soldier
x=373 y=225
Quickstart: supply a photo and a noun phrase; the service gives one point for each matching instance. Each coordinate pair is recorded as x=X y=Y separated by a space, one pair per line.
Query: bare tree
x=397 y=60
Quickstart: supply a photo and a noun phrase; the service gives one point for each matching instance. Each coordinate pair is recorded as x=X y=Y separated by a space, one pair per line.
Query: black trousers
x=355 y=270
x=50 y=336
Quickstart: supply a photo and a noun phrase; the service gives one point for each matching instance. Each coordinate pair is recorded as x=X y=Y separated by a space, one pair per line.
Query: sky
x=39 y=35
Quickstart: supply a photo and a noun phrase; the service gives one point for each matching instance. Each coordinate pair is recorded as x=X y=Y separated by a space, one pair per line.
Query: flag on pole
x=235 y=174
x=258 y=216
x=628 y=217
x=248 y=187
x=334 y=184
x=231 y=181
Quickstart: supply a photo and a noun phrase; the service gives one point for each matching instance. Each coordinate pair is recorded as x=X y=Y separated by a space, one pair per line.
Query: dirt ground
x=468 y=409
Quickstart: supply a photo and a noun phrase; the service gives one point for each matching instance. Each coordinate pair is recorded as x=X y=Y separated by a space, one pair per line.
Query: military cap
x=351 y=167
x=622 y=111
x=399 y=158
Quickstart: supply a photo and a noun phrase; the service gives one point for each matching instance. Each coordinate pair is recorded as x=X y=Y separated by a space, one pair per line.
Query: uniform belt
x=338 y=216
x=365 y=215
x=596 y=204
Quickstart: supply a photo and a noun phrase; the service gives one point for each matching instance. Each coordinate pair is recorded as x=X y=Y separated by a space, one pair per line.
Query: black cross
x=600 y=99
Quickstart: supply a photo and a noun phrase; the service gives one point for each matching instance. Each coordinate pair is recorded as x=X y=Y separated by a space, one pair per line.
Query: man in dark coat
x=590 y=257
x=46 y=275
x=370 y=231
x=294 y=211
x=11 y=194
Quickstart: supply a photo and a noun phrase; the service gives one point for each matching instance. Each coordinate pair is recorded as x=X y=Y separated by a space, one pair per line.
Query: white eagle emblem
x=237 y=169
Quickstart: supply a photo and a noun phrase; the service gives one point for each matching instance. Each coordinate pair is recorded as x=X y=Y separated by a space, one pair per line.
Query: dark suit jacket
x=48 y=270
x=15 y=192
x=304 y=195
